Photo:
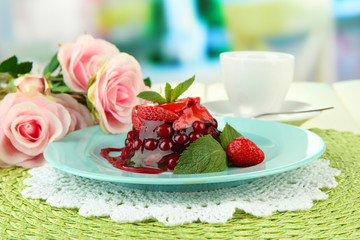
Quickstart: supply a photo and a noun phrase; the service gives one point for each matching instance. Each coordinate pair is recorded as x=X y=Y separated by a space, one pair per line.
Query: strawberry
x=180 y=104
x=244 y=153
x=191 y=114
x=137 y=123
x=155 y=113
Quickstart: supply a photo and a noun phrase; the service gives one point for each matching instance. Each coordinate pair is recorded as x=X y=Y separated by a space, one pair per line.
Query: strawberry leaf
x=205 y=155
x=151 y=96
x=227 y=135
x=181 y=88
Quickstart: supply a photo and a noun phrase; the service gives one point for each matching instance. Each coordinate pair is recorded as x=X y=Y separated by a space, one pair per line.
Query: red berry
x=164 y=130
x=150 y=144
x=214 y=132
x=136 y=121
x=214 y=123
x=129 y=143
x=137 y=144
x=191 y=114
x=194 y=135
x=125 y=153
x=178 y=148
x=181 y=138
x=199 y=126
x=130 y=135
x=180 y=104
x=171 y=161
x=244 y=153
x=165 y=144
x=155 y=113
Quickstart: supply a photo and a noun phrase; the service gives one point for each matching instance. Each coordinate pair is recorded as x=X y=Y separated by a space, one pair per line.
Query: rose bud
x=31 y=84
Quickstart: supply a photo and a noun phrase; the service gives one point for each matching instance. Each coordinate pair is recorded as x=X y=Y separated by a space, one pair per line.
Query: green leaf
x=151 y=96
x=59 y=87
x=205 y=155
x=181 y=88
x=8 y=64
x=22 y=68
x=227 y=135
x=91 y=107
x=12 y=84
x=93 y=79
x=91 y=82
x=147 y=82
x=51 y=66
x=168 y=92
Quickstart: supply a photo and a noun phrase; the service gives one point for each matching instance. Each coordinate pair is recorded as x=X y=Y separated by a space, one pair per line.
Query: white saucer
x=223 y=108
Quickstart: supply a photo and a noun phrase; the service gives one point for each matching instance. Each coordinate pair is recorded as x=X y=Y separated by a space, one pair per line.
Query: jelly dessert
x=180 y=135
x=161 y=132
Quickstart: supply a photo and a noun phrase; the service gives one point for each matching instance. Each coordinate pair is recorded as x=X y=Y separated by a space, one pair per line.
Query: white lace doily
x=289 y=191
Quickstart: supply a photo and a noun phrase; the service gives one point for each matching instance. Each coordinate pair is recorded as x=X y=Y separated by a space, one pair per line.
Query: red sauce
x=119 y=162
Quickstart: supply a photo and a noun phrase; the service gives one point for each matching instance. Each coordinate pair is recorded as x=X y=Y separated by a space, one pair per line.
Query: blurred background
x=174 y=39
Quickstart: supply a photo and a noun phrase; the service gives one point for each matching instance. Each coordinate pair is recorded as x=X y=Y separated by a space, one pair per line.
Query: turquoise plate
x=286 y=147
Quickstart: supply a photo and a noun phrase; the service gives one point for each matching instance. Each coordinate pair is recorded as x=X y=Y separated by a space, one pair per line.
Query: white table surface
x=344 y=96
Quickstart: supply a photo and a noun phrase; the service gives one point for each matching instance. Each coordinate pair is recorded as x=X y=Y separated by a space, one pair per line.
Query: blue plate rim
x=204 y=178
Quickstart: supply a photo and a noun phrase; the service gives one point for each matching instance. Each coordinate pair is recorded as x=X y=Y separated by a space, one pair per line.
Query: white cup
x=256 y=82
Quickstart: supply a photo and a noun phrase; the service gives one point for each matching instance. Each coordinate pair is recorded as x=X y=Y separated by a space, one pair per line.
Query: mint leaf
x=168 y=92
x=152 y=96
x=181 y=88
x=227 y=135
x=205 y=155
x=51 y=66
x=8 y=64
x=147 y=82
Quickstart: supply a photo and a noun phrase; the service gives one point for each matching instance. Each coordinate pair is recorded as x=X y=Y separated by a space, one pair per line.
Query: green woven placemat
x=338 y=217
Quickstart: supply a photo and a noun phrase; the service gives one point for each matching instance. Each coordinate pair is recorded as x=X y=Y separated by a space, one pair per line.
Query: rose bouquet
x=87 y=82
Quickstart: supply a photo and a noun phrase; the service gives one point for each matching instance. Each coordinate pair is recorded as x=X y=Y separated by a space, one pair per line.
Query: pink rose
x=114 y=92
x=31 y=84
x=80 y=115
x=81 y=60
x=27 y=126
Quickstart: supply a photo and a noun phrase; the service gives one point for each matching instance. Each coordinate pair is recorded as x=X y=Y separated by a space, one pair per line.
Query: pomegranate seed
x=150 y=144
x=181 y=138
x=130 y=135
x=137 y=144
x=199 y=126
x=171 y=161
x=194 y=135
x=164 y=130
x=165 y=144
